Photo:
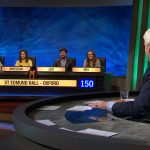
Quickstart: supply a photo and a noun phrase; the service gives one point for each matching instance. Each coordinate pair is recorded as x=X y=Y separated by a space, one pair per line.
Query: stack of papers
x=97 y=132
x=79 y=108
x=46 y=122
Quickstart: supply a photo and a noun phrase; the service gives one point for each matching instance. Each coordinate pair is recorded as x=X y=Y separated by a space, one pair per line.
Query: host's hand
x=119 y=100
x=103 y=104
x=99 y=104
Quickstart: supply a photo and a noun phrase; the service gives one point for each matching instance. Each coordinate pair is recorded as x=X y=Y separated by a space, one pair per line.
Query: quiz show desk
x=64 y=135
x=16 y=79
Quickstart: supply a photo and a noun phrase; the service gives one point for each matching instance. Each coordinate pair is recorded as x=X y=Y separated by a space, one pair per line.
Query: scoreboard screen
x=86 y=83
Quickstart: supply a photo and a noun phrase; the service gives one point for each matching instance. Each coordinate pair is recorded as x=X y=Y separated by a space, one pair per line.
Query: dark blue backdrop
x=43 y=31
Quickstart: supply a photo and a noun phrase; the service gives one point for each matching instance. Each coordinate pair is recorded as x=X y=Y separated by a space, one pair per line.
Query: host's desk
x=63 y=134
x=55 y=81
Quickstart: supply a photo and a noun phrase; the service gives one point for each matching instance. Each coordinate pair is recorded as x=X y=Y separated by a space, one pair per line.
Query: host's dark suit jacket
x=141 y=106
x=69 y=64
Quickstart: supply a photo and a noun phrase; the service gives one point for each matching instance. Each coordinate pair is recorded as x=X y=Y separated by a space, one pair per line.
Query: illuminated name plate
x=52 y=83
x=85 y=69
x=15 y=68
x=51 y=69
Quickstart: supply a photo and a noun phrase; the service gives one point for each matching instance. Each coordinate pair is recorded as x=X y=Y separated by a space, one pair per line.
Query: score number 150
x=86 y=83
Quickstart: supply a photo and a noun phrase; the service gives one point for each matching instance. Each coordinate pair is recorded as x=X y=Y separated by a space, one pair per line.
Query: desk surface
x=130 y=134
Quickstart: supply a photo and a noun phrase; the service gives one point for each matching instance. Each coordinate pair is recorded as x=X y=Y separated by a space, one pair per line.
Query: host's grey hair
x=146 y=36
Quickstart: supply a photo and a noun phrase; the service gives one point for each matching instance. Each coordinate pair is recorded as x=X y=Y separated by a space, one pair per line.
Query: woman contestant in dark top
x=91 y=60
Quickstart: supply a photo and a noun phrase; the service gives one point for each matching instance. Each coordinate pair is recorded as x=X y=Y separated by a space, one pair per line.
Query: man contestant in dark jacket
x=63 y=61
x=140 y=108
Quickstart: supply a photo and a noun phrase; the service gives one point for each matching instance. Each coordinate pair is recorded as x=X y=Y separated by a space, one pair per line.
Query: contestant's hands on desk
x=103 y=104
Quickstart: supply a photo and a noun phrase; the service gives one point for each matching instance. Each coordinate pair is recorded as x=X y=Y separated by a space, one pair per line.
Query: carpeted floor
x=6 y=126
x=4 y=134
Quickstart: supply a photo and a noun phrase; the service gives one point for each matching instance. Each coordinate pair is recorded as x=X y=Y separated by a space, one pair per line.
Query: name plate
x=49 y=83
x=15 y=68
x=51 y=69
x=85 y=69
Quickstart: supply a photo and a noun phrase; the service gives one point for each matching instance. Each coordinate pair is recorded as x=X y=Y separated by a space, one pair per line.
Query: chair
x=2 y=60
x=33 y=59
x=73 y=61
x=103 y=63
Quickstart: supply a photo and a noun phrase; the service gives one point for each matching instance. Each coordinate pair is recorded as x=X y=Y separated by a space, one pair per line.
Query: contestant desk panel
x=102 y=81
x=130 y=135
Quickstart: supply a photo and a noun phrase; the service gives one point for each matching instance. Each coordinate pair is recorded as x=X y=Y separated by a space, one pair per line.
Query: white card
x=129 y=99
x=65 y=129
x=46 y=122
x=49 y=108
x=79 y=108
x=91 y=102
x=97 y=132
